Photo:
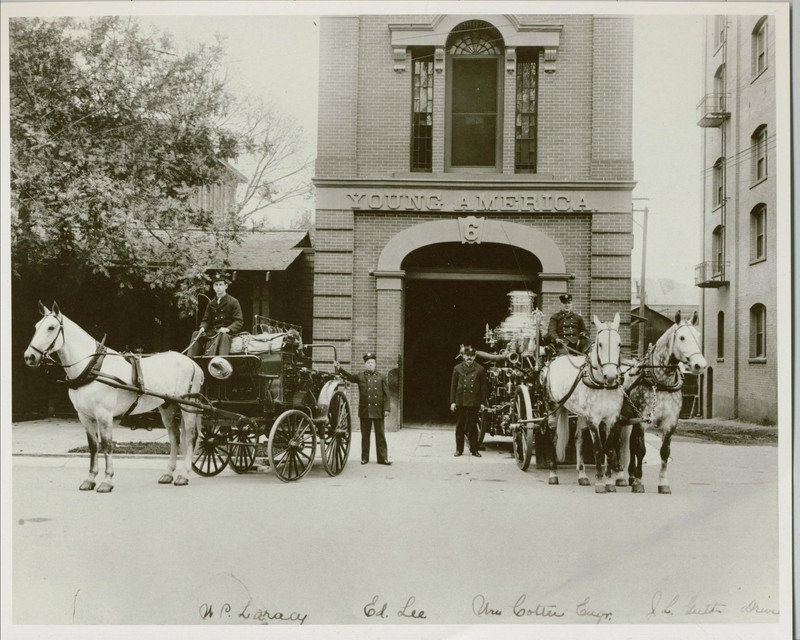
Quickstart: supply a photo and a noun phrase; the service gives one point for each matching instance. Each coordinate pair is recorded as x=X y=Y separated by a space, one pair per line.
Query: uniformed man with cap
x=468 y=394
x=223 y=316
x=373 y=406
x=567 y=328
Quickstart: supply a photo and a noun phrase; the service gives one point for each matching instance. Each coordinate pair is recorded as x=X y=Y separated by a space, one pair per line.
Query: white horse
x=653 y=389
x=97 y=376
x=587 y=386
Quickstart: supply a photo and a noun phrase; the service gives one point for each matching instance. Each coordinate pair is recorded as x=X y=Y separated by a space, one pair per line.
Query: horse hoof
x=622 y=482
x=165 y=479
x=610 y=488
x=584 y=482
x=105 y=488
x=664 y=488
x=599 y=488
x=180 y=481
x=87 y=485
x=552 y=481
x=637 y=488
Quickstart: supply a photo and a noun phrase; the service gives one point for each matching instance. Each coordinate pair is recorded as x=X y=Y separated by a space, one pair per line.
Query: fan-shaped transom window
x=475 y=37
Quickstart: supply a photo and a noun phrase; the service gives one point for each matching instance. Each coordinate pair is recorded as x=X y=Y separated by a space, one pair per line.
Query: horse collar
x=92 y=369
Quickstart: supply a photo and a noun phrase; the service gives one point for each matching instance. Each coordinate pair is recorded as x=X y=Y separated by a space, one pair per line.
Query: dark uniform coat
x=567 y=326
x=468 y=386
x=373 y=393
x=225 y=312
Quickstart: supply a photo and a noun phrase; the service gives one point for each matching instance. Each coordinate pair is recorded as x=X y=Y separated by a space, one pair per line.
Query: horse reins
x=46 y=353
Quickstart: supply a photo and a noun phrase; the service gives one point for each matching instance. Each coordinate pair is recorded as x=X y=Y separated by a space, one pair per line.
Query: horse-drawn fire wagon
x=517 y=405
x=268 y=401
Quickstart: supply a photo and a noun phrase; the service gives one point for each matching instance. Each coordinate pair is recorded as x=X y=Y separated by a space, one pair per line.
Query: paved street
x=432 y=539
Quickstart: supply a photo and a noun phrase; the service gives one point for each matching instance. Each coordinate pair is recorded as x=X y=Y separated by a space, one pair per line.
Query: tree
x=112 y=132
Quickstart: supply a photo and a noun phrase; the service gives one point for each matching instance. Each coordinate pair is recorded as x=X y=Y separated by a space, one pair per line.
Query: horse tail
x=562 y=434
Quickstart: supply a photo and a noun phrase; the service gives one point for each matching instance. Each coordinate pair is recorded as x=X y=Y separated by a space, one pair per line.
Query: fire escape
x=713 y=112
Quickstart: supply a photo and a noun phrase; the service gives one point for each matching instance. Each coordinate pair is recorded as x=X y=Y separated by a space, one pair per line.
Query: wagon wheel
x=523 y=431
x=210 y=455
x=336 y=434
x=242 y=446
x=292 y=444
x=482 y=420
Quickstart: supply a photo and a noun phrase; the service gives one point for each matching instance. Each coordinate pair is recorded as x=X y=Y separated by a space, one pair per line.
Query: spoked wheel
x=242 y=445
x=292 y=444
x=336 y=434
x=482 y=422
x=523 y=431
x=211 y=449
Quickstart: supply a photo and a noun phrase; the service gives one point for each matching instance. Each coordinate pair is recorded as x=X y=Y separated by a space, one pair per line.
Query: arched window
x=718 y=183
x=474 y=97
x=720 y=335
x=719 y=89
x=758 y=144
x=758 y=332
x=718 y=251
x=758 y=233
x=760 y=46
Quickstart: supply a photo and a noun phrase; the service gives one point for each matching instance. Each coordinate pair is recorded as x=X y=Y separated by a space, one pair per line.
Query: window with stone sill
x=759 y=153
x=758 y=233
x=758 y=332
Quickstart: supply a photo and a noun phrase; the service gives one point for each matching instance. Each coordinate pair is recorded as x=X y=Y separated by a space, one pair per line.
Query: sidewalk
x=56 y=436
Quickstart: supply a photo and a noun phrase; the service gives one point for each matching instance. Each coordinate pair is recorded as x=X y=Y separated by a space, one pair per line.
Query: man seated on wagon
x=223 y=317
x=566 y=330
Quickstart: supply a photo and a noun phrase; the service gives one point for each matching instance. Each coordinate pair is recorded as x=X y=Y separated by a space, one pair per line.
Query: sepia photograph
x=396 y=320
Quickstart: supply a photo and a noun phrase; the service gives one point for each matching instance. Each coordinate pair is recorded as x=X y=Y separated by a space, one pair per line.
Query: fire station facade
x=460 y=158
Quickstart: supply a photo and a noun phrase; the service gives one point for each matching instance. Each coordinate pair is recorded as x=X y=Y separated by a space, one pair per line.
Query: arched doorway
x=452 y=292
x=487 y=273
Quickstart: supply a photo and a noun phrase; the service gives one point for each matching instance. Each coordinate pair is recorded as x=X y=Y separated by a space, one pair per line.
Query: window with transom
x=474 y=97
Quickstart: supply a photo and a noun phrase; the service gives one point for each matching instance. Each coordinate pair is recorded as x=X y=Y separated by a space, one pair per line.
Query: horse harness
x=92 y=371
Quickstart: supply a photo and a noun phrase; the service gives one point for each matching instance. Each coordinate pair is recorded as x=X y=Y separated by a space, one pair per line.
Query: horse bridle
x=597 y=349
x=672 y=345
x=45 y=355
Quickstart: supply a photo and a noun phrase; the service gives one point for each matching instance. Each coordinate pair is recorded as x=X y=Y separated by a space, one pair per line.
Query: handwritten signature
x=250 y=613
x=482 y=607
x=692 y=607
x=378 y=608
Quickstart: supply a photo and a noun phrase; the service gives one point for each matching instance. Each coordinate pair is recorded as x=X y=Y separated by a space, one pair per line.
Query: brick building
x=739 y=268
x=459 y=158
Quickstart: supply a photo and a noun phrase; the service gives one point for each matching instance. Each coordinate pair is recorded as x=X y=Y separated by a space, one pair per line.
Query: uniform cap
x=221 y=276
x=565 y=298
x=469 y=351
x=369 y=355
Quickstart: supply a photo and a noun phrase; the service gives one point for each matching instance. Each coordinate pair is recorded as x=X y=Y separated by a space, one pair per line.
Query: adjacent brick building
x=739 y=268
x=459 y=158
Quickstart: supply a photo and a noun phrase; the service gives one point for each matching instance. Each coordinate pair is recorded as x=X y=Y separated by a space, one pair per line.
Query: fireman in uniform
x=567 y=328
x=468 y=394
x=223 y=315
x=373 y=406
